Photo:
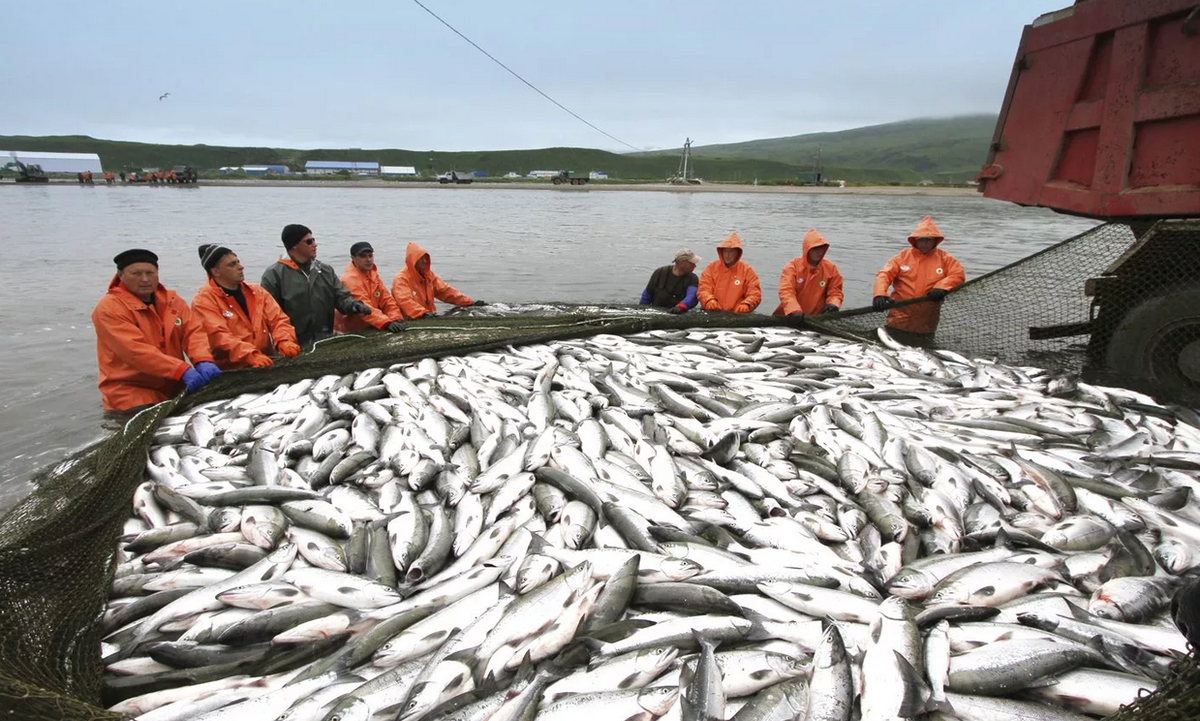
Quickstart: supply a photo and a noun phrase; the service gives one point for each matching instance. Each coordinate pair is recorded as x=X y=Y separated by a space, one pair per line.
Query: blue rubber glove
x=193 y=380
x=208 y=371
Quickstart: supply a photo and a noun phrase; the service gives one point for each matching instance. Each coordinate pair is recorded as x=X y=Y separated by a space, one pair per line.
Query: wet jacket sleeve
x=753 y=291
x=689 y=299
x=277 y=321
x=833 y=289
x=884 y=278
x=390 y=308
x=645 y=299
x=208 y=314
x=342 y=297
x=270 y=282
x=362 y=291
x=122 y=336
x=648 y=293
x=195 y=339
x=447 y=293
x=954 y=275
x=705 y=292
x=402 y=294
x=787 y=290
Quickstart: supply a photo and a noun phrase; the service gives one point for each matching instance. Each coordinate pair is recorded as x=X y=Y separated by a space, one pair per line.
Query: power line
x=517 y=75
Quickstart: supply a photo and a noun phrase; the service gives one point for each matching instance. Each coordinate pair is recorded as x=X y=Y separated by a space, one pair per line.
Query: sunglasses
x=309 y=241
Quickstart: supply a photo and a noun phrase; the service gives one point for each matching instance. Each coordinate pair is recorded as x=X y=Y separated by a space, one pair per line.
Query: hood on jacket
x=926 y=229
x=813 y=239
x=731 y=241
x=412 y=254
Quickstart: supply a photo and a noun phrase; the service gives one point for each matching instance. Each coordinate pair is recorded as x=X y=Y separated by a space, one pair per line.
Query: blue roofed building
x=333 y=167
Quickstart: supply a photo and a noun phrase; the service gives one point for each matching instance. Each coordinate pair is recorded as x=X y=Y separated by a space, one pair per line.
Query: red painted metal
x=1102 y=113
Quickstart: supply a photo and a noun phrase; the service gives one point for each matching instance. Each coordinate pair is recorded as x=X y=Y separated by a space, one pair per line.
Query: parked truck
x=564 y=176
x=1101 y=119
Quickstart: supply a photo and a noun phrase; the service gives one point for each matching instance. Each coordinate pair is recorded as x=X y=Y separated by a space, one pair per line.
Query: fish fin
x=1003 y=540
x=912 y=704
x=1079 y=613
x=537 y=543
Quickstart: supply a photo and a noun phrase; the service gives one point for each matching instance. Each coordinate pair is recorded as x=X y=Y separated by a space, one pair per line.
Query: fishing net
x=1060 y=309
x=57 y=546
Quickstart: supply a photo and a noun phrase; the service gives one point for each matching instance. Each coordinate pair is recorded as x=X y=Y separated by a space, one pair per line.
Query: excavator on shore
x=1101 y=119
x=26 y=173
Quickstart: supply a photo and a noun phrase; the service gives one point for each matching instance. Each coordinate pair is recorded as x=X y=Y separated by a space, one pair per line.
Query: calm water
x=511 y=245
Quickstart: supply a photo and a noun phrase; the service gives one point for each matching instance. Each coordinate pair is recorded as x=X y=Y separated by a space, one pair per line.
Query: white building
x=55 y=162
x=597 y=175
x=512 y=174
x=403 y=171
x=542 y=174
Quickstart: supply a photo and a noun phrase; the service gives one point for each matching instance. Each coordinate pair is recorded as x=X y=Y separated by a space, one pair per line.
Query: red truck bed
x=1102 y=113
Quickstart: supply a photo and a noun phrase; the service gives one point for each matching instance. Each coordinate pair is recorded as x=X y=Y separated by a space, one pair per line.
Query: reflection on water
x=500 y=245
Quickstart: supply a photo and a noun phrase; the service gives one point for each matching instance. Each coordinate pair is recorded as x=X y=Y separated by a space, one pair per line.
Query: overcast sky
x=386 y=74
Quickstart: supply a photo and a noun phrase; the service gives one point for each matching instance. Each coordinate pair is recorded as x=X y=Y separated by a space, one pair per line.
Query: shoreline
x=893 y=190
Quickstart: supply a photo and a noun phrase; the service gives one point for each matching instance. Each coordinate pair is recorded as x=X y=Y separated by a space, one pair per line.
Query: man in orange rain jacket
x=924 y=270
x=362 y=278
x=810 y=284
x=244 y=323
x=416 y=286
x=727 y=283
x=143 y=332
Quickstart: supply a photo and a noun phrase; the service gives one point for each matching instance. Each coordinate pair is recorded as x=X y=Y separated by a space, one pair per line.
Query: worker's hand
x=711 y=305
x=430 y=314
x=830 y=308
x=795 y=319
x=741 y=308
x=936 y=293
x=357 y=307
x=193 y=380
x=394 y=327
x=258 y=360
x=882 y=302
x=208 y=371
x=479 y=303
x=677 y=309
x=287 y=349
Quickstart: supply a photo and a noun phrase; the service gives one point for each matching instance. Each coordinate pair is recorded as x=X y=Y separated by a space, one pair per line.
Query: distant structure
x=398 y=171
x=265 y=169
x=56 y=162
x=333 y=167
x=512 y=174
x=684 y=175
x=542 y=174
x=597 y=175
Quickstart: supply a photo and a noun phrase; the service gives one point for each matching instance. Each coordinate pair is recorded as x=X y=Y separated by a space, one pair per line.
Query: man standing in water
x=307 y=289
x=728 y=283
x=674 y=286
x=244 y=323
x=362 y=278
x=922 y=271
x=145 y=338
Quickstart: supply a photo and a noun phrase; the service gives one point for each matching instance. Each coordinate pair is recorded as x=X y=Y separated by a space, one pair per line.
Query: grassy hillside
x=947 y=150
x=939 y=149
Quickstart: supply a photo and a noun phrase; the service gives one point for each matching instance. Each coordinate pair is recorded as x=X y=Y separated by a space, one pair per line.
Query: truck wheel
x=557 y=181
x=1158 y=343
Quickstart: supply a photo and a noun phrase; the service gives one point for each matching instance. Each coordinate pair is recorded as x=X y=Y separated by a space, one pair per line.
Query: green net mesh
x=57 y=546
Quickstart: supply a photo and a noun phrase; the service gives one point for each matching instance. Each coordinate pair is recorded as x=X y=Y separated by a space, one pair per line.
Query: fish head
x=352 y=709
x=658 y=699
x=1105 y=608
x=911 y=584
x=952 y=594
x=895 y=608
x=655 y=660
x=678 y=569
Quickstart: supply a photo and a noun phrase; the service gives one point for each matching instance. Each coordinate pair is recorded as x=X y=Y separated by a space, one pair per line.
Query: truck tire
x=1157 y=343
x=557 y=181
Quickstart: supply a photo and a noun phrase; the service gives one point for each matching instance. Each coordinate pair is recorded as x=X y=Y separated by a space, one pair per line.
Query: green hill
x=938 y=149
x=948 y=150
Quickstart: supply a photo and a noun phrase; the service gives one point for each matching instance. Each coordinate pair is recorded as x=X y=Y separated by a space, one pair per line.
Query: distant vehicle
x=454 y=177
x=182 y=174
x=26 y=173
x=564 y=176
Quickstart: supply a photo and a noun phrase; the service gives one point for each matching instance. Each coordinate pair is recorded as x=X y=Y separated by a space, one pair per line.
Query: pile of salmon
x=720 y=524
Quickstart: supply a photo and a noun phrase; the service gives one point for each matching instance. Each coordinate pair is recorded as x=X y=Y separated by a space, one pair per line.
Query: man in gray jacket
x=307 y=289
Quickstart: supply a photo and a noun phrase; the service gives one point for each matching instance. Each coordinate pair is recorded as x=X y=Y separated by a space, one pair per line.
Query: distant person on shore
x=809 y=284
x=307 y=289
x=674 y=286
x=148 y=344
x=361 y=276
x=729 y=283
x=416 y=286
x=245 y=325
x=922 y=271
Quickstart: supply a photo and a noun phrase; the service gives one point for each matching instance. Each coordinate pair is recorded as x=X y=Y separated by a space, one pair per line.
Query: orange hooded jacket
x=807 y=288
x=369 y=288
x=140 y=348
x=912 y=274
x=415 y=293
x=735 y=288
x=233 y=336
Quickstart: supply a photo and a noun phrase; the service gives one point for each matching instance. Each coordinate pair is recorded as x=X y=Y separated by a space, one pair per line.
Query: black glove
x=830 y=308
x=795 y=319
x=677 y=309
x=479 y=303
x=882 y=302
x=357 y=307
x=936 y=294
x=394 y=327
x=430 y=314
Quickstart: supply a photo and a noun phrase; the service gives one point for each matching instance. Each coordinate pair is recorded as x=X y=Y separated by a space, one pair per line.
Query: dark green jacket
x=308 y=297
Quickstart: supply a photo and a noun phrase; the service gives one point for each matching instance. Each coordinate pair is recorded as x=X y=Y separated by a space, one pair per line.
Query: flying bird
x=160 y=97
